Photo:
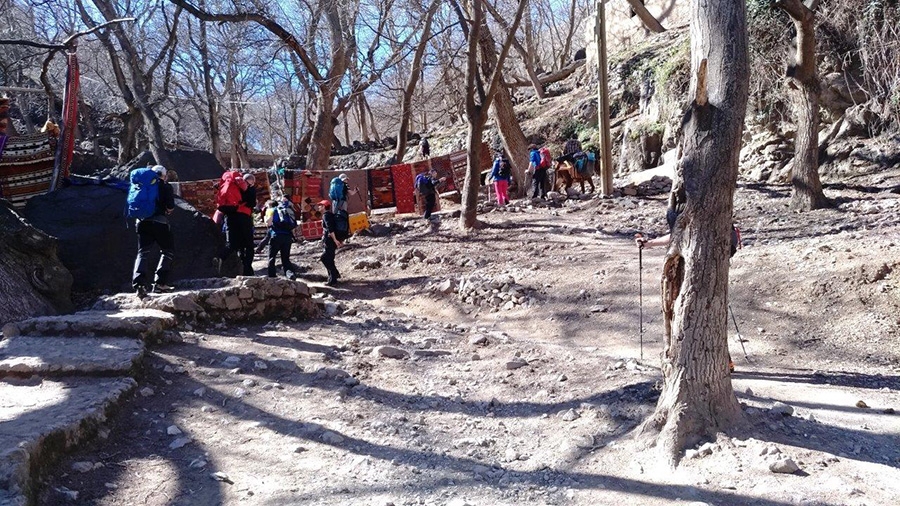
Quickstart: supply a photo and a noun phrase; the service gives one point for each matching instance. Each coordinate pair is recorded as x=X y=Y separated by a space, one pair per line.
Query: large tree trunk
x=471 y=186
x=322 y=133
x=697 y=399
x=128 y=145
x=803 y=82
x=504 y=113
x=33 y=282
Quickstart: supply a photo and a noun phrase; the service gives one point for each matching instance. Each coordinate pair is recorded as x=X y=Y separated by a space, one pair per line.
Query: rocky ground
x=503 y=367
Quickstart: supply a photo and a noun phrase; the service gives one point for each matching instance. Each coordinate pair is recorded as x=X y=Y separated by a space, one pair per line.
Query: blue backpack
x=337 y=189
x=283 y=220
x=143 y=194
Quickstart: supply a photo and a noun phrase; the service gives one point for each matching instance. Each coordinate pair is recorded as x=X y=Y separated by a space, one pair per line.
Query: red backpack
x=545 y=158
x=228 y=197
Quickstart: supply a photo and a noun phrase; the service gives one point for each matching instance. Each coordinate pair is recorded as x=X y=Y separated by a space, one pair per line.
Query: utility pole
x=606 y=169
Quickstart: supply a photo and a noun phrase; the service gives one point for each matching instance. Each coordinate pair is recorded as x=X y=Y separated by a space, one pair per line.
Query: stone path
x=61 y=376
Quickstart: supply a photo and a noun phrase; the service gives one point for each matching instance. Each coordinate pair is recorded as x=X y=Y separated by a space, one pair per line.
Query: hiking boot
x=140 y=291
x=217 y=265
x=160 y=288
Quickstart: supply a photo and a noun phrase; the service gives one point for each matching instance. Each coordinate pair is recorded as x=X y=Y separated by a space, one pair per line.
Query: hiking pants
x=150 y=233
x=537 y=183
x=330 y=248
x=501 y=188
x=280 y=244
x=430 y=201
x=239 y=238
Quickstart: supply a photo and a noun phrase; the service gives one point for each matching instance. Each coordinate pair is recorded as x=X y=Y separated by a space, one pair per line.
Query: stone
x=179 y=443
x=69 y=355
x=200 y=392
x=478 y=340
x=249 y=383
x=516 y=363
x=862 y=405
x=784 y=466
x=220 y=476
x=83 y=467
x=173 y=430
x=782 y=409
x=198 y=463
x=447 y=287
x=259 y=364
x=570 y=415
x=138 y=323
x=391 y=352
x=332 y=438
x=147 y=392
x=231 y=361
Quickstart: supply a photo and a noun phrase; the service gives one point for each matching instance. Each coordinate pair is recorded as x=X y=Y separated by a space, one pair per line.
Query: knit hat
x=343 y=177
x=159 y=169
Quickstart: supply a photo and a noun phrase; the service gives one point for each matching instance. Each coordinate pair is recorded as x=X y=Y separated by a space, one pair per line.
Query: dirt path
x=533 y=404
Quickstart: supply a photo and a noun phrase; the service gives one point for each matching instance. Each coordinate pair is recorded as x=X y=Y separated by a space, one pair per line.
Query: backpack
x=545 y=158
x=735 y=240
x=142 y=194
x=228 y=197
x=580 y=162
x=503 y=171
x=424 y=184
x=341 y=225
x=337 y=189
x=283 y=220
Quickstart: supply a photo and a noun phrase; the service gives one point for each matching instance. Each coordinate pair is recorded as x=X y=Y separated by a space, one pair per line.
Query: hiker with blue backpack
x=282 y=221
x=150 y=200
x=426 y=184
x=338 y=192
x=501 y=175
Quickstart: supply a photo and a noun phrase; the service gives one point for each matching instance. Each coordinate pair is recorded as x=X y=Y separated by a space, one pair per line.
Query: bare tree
x=478 y=101
x=697 y=399
x=803 y=83
x=414 y=73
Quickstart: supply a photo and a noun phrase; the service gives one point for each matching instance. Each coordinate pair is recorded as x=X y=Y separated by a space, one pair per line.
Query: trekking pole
x=641 y=291
x=739 y=338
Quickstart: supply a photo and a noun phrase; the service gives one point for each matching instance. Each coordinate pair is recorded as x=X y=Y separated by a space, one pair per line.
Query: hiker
x=570 y=149
x=236 y=200
x=281 y=221
x=332 y=239
x=664 y=240
x=426 y=148
x=501 y=175
x=426 y=185
x=338 y=192
x=538 y=164
x=150 y=200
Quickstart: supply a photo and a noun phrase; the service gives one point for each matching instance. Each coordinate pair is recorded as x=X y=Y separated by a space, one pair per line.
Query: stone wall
x=223 y=299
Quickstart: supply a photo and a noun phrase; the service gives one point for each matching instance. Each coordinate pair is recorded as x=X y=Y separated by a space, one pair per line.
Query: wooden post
x=606 y=168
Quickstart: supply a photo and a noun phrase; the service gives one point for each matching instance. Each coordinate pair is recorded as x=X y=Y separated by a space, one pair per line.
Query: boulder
x=99 y=249
x=189 y=165
x=33 y=281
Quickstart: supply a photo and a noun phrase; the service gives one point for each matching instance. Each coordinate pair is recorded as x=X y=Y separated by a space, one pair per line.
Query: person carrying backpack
x=538 y=163
x=501 y=175
x=338 y=192
x=426 y=148
x=426 y=185
x=150 y=200
x=281 y=220
x=334 y=234
x=236 y=200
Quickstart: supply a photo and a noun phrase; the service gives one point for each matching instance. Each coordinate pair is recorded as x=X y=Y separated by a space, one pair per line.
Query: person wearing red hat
x=330 y=241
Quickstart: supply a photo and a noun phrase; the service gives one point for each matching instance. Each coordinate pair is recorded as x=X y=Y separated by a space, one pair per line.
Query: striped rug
x=26 y=167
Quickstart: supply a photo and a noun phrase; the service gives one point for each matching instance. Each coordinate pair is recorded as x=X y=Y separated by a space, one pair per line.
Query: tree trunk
x=469 y=216
x=414 y=73
x=215 y=141
x=322 y=132
x=361 y=115
x=803 y=82
x=697 y=399
x=128 y=145
x=504 y=113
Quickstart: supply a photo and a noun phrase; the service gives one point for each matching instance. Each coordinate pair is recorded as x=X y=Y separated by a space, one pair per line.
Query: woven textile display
x=66 y=148
x=381 y=187
x=202 y=194
x=355 y=179
x=26 y=167
x=403 y=188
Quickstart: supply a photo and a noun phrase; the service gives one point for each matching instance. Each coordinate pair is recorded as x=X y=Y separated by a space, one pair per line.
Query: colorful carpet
x=26 y=167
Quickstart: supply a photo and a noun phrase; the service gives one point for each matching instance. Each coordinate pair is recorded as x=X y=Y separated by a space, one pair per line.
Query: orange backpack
x=228 y=197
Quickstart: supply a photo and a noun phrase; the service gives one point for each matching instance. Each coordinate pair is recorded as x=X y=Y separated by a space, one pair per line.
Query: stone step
x=140 y=323
x=45 y=356
x=40 y=420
